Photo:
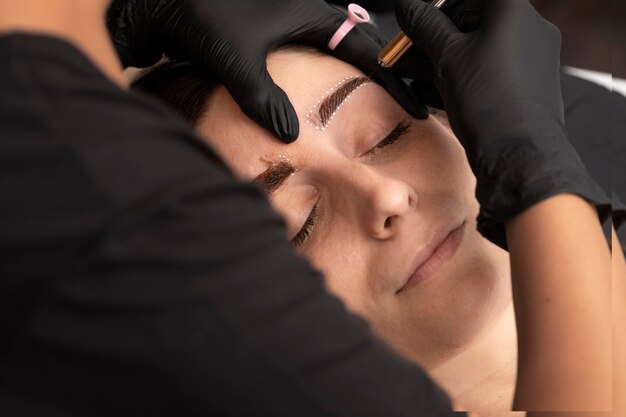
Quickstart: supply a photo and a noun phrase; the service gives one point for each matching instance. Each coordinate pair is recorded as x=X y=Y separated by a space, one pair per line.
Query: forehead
x=305 y=76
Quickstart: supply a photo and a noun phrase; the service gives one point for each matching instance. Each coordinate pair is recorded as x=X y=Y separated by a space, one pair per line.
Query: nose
x=381 y=202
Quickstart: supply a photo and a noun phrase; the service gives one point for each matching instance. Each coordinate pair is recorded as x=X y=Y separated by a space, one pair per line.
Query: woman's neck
x=79 y=22
x=482 y=377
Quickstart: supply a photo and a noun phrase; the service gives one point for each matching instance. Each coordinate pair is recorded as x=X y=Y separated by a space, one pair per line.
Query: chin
x=474 y=293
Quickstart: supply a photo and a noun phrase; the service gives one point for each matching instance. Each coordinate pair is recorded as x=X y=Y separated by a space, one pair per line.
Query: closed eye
x=397 y=133
x=301 y=237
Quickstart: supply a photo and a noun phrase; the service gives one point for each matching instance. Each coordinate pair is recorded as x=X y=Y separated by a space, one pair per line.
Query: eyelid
x=398 y=131
x=307 y=228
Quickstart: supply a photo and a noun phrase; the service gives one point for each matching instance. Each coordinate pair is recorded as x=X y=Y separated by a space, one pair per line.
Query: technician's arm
x=552 y=288
x=561 y=270
x=619 y=326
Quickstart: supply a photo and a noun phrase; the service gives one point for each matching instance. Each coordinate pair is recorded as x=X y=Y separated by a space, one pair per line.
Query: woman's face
x=364 y=194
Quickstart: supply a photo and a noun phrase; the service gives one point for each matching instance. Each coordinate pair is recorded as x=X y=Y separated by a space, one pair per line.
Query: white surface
x=601 y=78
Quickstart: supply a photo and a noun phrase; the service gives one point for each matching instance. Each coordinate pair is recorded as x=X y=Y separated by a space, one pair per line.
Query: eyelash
x=397 y=133
x=301 y=237
x=307 y=227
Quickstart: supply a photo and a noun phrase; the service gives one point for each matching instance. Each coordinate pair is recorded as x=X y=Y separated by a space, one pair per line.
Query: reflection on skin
x=381 y=185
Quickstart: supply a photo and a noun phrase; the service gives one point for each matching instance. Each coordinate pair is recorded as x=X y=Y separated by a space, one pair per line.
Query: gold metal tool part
x=394 y=50
x=400 y=43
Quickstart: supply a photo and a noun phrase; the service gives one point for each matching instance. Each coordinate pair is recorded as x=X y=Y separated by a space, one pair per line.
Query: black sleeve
x=139 y=278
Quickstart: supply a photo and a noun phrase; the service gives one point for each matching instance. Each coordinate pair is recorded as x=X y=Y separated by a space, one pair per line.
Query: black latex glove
x=500 y=86
x=231 y=41
x=466 y=16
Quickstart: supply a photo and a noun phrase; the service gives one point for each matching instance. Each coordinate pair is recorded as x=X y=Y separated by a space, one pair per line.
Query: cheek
x=343 y=262
x=455 y=168
x=433 y=161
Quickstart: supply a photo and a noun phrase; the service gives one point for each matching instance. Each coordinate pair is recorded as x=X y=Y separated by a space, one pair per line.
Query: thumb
x=266 y=104
x=429 y=28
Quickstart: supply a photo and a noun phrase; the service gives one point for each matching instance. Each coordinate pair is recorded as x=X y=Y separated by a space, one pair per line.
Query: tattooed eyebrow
x=330 y=104
x=275 y=175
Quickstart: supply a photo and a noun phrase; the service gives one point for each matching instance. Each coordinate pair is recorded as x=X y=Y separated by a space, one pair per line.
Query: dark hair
x=182 y=86
x=186 y=87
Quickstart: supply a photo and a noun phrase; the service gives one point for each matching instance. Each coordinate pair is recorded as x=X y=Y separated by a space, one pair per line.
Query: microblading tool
x=398 y=46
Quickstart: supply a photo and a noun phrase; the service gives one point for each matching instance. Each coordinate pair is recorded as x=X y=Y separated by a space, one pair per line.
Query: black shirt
x=137 y=277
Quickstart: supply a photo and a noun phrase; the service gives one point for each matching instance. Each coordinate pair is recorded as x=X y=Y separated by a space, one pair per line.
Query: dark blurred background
x=594 y=31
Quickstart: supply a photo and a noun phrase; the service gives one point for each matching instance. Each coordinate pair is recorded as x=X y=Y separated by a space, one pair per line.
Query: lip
x=435 y=255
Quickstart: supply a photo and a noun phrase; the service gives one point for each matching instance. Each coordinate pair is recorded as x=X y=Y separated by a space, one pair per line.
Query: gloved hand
x=500 y=86
x=231 y=41
x=466 y=16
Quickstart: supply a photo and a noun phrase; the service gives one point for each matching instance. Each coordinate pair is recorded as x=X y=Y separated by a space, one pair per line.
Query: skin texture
x=375 y=214
x=618 y=304
x=561 y=273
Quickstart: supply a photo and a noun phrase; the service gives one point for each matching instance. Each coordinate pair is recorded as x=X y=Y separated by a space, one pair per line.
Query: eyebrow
x=330 y=104
x=275 y=175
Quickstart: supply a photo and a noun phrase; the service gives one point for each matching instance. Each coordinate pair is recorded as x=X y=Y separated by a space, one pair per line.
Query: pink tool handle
x=356 y=15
